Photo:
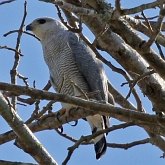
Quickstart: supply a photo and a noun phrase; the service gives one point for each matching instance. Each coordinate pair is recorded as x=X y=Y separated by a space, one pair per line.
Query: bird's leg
x=65 y=113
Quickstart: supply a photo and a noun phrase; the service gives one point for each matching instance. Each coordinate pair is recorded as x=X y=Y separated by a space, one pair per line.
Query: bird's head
x=44 y=26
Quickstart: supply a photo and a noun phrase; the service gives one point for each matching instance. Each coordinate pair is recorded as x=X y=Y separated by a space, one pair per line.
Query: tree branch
x=143 y=7
x=13 y=71
x=28 y=140
x=124 y=54
x=103 y=109
x=4 y=162
x=6 y=1
x=129 y=145
x=8 y=48
x=71 y=7
x=141 y=26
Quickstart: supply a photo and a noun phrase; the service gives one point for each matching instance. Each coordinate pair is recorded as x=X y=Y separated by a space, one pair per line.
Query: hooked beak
x=29 y=27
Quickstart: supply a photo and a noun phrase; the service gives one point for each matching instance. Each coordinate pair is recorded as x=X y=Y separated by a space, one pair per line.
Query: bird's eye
x=41 y=21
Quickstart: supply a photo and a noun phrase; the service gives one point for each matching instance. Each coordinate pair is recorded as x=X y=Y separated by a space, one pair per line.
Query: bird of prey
x=74 y=70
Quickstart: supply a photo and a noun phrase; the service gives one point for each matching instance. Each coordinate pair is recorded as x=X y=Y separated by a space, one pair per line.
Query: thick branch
x=3 y=162
x=132 y=39
x=157 y=140
x=149 y=121
x=71 y=7
x=29 y=141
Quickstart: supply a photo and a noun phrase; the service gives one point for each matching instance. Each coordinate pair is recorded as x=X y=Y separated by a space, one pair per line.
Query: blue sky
x=32 y=66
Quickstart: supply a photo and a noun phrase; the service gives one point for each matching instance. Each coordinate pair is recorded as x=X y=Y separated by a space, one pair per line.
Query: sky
x=32 y=66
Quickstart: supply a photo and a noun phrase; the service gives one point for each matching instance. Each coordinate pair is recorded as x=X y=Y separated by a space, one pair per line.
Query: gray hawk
x=74 y=70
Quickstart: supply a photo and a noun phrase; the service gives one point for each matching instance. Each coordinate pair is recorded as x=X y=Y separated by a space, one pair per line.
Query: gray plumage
x=74 y=70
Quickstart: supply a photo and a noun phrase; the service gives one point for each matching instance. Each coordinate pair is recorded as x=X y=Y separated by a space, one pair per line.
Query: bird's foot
x=63 y=115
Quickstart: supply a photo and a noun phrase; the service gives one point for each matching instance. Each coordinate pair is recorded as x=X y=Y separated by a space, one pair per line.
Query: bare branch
x=89 y=138
x=24 y=79
x=8 y=48
x=129 y=145
x=142 y=27
x=139 y=78
x=36 y=115
x=152 y=58
x=73 y=29
x=103 y=109
x=26 y=137
x=143 y=7
x=4 y=162
x=157 y=140
x=68 y=137
x=160 y=50
x=119 y=98
x=31 y=101
x=18 y=31
x=156 y=31
x=6 y=1
x=71 y=7
x=113 y=128
x=13 y=71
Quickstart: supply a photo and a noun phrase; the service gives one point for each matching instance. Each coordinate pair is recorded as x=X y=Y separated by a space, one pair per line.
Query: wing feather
x=90 y=67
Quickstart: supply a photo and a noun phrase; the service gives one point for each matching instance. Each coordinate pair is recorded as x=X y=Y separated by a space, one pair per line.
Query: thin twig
x=18 y=31
x=148 y=18
x=24 y=79
x=47 y=86
x=36 y=114
x=89 y=138
x=143 y=7
x=6 y=1
x=160 y=50
x=113 y=128
x=31 y=101
x=128 y=145
x=147 y=22
x=73 y=29
x=157 y=30
x=13 y=71
x=70 y=138
x=139 y=78
x=12 y=49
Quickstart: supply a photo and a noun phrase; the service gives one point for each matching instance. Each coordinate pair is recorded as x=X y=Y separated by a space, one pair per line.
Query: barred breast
x=65 y=75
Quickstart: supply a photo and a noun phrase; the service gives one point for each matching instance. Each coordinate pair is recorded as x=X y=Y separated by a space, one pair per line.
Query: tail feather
x=100 y=147
x=98 y=123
